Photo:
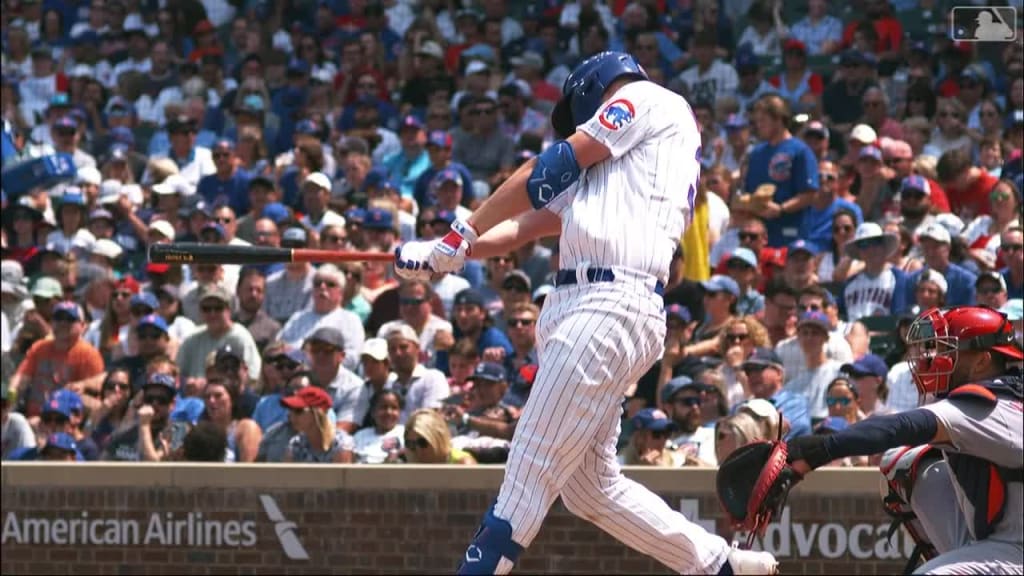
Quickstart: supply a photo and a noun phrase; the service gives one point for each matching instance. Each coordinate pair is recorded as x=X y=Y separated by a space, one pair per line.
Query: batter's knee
x=581 y=499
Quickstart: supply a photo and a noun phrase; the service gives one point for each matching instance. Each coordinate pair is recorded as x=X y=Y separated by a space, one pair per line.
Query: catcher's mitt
x=753 y=484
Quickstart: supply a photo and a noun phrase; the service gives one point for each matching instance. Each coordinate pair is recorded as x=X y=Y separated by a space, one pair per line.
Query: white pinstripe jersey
x=631 y=209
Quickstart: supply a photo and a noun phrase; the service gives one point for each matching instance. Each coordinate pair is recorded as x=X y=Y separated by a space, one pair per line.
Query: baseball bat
x=196 y=253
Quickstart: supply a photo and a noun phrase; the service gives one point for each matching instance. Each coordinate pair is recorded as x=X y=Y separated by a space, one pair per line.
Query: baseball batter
x=968 y=359
x=618 y=187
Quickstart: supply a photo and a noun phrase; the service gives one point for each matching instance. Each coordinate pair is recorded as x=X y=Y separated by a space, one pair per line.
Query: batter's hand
x=450 y=252
x=411 y=260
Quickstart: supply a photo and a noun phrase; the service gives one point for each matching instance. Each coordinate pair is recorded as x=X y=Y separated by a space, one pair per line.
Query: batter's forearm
x=511 y=234
x=508 y=201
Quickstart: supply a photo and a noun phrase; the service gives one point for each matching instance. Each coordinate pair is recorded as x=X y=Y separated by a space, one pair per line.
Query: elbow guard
x=555 y=170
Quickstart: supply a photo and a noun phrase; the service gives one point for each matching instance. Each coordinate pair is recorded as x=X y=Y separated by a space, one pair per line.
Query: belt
x=568 y=276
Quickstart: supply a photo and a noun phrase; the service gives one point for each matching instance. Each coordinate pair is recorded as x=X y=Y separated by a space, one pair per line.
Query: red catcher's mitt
x=753 y=484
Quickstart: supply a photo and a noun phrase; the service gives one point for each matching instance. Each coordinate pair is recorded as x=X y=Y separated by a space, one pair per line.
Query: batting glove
x=450 y=252
x=411 y=260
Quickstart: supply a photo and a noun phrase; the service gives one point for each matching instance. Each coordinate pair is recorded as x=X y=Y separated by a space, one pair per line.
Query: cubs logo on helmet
x=617 y=114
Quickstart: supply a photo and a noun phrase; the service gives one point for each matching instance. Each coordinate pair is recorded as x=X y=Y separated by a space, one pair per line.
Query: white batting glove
x=450 y=252
x=411 y=260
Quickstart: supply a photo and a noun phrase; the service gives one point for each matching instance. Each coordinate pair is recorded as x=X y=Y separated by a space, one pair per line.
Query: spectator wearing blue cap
x=681 y=398
x=227 y=185
x=765 y=377
x=162 y=435
x=61 y=447
x=799 y=272
x=648 y=445
x=471 y=320
x=287 y=363
x=721 y=295
x=869 y=375
x=379 y=229
x=484 y=427
x=66 y=134
x=388 y=197
x=813 y=331
x=517 y=117
x=752 y=85
x=737 y=147
x=412 y=160
x=64 y=413
x=193 y=161
x=816 y=228
x=741 y=266
x=439 y=150
x=151 y=336
x=448 y=189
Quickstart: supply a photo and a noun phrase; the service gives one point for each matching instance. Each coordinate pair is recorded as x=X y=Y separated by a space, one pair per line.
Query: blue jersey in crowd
x=234 y=191
x=792 y=168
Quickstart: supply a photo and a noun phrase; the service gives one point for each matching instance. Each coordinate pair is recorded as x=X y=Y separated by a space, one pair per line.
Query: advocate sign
x=190 y=529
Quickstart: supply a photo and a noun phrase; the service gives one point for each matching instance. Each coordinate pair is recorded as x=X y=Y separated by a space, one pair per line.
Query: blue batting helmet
x=586 y=85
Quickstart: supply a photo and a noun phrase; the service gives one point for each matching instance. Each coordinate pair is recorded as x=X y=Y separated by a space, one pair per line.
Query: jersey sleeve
x=805 y=171
x=625 y=120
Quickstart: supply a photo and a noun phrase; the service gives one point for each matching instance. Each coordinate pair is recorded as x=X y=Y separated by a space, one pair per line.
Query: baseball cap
x=69 y=309
x=528 y=58
x=679 y=311
x=446 y=175
x=293 y=237
x=410 y=121
x=306 y=128
x=61 y=441
x=763 y=357
x=721 y=283
x=355 y=215
x=213 y=227
x=378 y=219
x=328 y=335
x=64 y=402
x=430 y=48
x=817 y=128
x=801 y=246
x=228 y=352
x=155 y=320
x=868 y=365
x=746 y=59
x=110 y=192
x=864 y=134
x=832 y=424
x=675 y=385
x=469 y=296
x=745 y=255
x=147 y=299
x=652 y=419
x=793 y=44
x=929 y=275
x=476 y=67
x=376 y=348
x=950 y=222
x=444 y=217
x=47 y=287
x=915 y=182
x=994 y=277
x=89 y=175
x=308 y=397
x=936 y=232
x=252 y=103
x=489 y=372
x=439 y=138
x=214 y=292
x=517 y=280
x=872 y=152
x=404 y=332
x=275 y=212
x=735 y=122
x=541 y=293
x=162 y=380
x=163 y=228
x=101 y=214
x=815 y=318
x=318 y=179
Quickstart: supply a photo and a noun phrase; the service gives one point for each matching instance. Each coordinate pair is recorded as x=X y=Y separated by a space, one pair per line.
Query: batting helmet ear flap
x=562 y=119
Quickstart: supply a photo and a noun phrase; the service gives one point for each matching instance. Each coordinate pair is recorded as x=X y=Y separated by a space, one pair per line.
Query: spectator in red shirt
x=888 y=29
x=966 y=185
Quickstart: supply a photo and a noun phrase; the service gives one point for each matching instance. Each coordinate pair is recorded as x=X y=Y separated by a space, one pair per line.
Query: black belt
x=568 y=276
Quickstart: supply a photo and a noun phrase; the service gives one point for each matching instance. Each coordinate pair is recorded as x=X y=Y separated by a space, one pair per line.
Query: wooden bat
x=196 y=253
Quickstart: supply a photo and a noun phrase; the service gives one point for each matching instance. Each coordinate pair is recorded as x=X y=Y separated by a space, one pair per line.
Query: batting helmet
x=586 y=85
x=938 y=335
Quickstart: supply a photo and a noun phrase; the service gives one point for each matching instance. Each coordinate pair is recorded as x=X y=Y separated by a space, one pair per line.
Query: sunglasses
x=57 y=419
x=112 y=385
x=150 y=335
x=298 y=411
x=156 y=399
x=500 y=260
x=690 y=401
x=120 y=295
x=749 y=236
x=212 y=309
x=659 y=434
x=324 y=282
x=517 y=322
x=1012 y=247
x=411 y=301
x=284 y=365
x=811 y=307
x=736 y=337
x=833 y=401
x=420 y=443
x=989 y=290
x=999 y=195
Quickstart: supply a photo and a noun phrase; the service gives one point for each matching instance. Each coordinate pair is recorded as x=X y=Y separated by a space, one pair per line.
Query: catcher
x=967 y=359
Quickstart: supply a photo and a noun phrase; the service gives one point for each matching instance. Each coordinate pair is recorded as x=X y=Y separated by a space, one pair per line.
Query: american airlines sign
x=190 y=529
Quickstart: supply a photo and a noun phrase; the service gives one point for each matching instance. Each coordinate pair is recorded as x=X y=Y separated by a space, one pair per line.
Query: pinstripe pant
x=594 y=340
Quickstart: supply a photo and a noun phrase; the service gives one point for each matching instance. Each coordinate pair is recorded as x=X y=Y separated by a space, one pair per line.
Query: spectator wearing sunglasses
x=841 y=400
x=682 y=398
x=109 y=417
x=415 y=299
x=736 y=342
x=1011 y=249
x=65 y=413
x=765 y=377
x=648 y=445
x=428 y=441
x=276 y=437
x=318 y=440
x=154 y=434
x=328 y=288
x=218 y=330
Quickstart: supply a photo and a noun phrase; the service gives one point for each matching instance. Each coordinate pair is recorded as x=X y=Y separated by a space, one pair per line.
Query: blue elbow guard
x=556 y=169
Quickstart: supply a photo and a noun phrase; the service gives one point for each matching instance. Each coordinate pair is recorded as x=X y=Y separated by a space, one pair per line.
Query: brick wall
x=411 y=524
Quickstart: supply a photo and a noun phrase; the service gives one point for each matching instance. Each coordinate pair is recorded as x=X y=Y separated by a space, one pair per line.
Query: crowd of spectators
x=858 y=167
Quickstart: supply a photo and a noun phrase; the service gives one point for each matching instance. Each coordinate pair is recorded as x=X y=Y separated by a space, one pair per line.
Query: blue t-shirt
x=792 y=168
x=959 y=280
x=234 y=191
x=421 y=191
x=406 y=170
x=795 y=409
x=817 y=225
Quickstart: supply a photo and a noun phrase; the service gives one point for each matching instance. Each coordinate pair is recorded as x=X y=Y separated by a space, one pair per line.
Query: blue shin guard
x=493 y=541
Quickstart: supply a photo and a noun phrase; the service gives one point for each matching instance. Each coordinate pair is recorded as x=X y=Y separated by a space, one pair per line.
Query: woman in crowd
x=736 y=342
x=950 y=131
x=930 y=291
x=318 y=439
x=835 y=265
x=105 y=333
x=221 y=397
x=352 y=298
x=428 y=441
x=382 y=441
x=111 y=415
x=178 y=325
x=737 y=430
x=983 y=233
x=841 y=398
x=252 y=151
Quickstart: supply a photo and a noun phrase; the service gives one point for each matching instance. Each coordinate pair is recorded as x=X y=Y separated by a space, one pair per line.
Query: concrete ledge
x=827 y=481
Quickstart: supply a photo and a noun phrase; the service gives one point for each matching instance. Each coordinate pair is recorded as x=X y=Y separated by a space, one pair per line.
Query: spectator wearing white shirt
x=766 y=29
x=421 y=387
x=66 y=135
x=193 y=161
x=138 y=54
x=316 y=193
x=709 y=78
x=328 y=287
x=813 y=331
x=326 y=350
x=376 y=442
x=415 y=299
x=37 y=88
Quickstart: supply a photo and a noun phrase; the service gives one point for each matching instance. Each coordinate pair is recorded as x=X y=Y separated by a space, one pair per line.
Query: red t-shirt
x=939 y=198
x=975 y=198
x=889 y=30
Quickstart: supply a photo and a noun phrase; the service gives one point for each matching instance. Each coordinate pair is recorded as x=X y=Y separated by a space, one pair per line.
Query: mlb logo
x=984 y=24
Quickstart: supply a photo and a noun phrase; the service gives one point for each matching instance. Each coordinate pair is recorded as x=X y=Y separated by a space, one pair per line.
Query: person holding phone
x=154 y=437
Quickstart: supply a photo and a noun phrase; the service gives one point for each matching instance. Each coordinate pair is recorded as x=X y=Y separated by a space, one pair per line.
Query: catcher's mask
x=938 y=335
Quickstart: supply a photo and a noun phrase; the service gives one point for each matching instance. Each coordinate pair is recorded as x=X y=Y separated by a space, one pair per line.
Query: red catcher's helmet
x=938 y=335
